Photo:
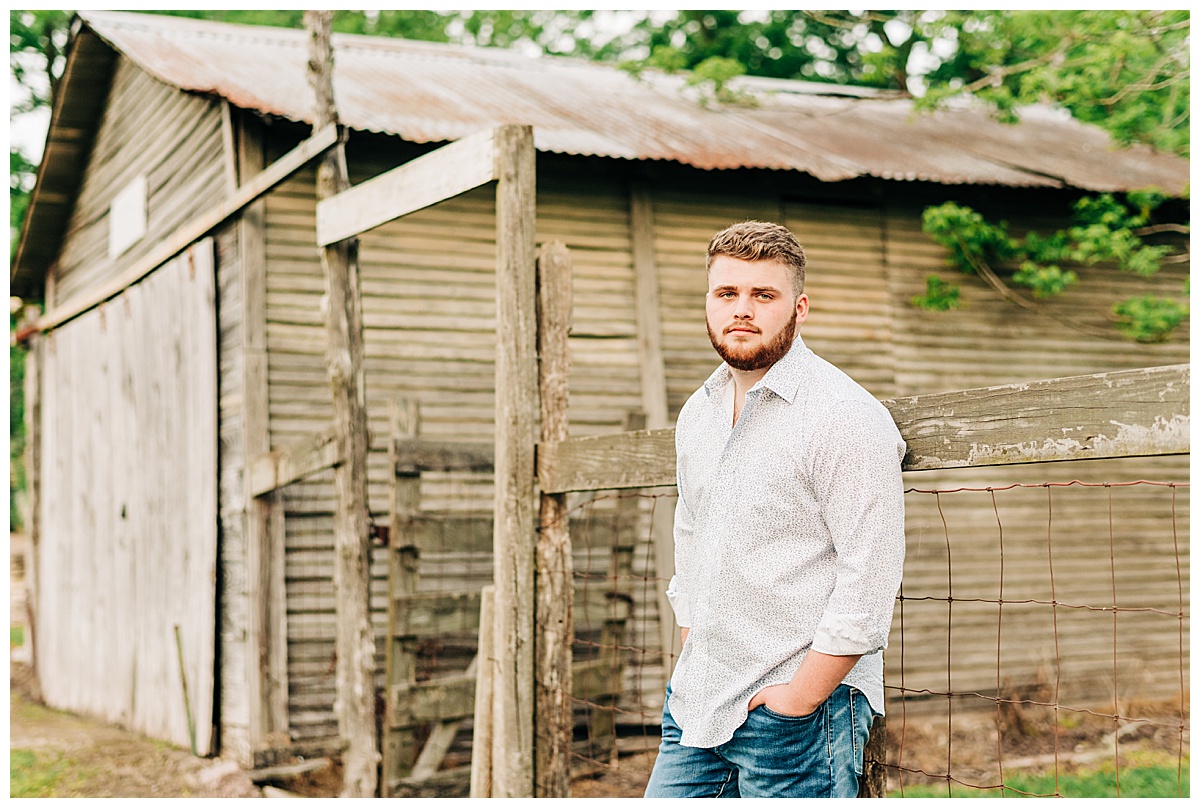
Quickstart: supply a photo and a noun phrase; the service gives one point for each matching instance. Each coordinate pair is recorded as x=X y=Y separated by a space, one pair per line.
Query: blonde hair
x=761 y=241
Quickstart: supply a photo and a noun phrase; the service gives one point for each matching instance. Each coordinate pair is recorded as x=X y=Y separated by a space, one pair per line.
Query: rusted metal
x=428 y=92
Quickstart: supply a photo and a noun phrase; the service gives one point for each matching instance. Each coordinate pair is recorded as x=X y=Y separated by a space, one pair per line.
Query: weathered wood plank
x=196 y=228
x=289 y=464
x=416 y=455
x=355 y=664
x=516 y=403
x=451 y=698
x=435 y=613
x=637 y=459
x=425 y=181
x=1129 y=413
x=554 y=609
x=481 y=738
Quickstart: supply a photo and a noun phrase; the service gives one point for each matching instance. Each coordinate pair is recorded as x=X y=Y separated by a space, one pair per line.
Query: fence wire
x=1040 y=628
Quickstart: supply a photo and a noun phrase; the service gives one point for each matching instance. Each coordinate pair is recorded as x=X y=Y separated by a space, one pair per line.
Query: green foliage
x=1105 y=229
x=16 y=636
x=712 y=77
x=939 y=295
x=1126 y=71
x=1149 y=318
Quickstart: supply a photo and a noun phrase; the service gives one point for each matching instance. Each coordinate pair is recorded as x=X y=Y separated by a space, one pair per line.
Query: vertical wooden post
x=554 y=712
x=266 y=640
x=654 y=401
x=355 y=644
x=400 y=743
x=516 y=406
x=481 y=741
x=35 y=348
x=874 y=777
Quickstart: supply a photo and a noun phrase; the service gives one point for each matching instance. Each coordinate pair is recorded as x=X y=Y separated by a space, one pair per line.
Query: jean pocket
x=784 y=717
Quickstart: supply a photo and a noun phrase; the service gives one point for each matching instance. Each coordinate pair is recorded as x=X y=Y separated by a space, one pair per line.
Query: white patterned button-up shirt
x=789 y=535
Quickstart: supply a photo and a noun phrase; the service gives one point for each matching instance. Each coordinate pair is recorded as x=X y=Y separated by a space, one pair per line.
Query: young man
x=789 y=543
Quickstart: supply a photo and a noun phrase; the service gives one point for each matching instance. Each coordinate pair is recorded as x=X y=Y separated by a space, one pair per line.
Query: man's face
x=751 y=311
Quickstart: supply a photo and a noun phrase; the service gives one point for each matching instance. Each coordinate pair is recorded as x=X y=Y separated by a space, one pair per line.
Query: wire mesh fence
x=1041 y=630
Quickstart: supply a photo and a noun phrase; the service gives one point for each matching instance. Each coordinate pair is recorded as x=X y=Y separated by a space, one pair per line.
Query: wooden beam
x=289 y=464
x=427 y=180
x=183 y=237
x=654 y=401
x=354 y=673
x=481 y=739
x=555 y=635
x=266 y=676
x=1131 y=413
x=1128 y=413
x=516 y=409
x=414 y=455
x=639 y=459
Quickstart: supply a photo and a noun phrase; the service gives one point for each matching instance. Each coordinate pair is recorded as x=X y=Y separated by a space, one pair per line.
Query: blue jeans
x=771 y=755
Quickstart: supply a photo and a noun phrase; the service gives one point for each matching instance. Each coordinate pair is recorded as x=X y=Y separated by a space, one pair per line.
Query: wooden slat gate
x=422 y=718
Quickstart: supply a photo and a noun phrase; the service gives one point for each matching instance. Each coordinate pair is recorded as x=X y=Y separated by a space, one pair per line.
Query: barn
x=172 y=356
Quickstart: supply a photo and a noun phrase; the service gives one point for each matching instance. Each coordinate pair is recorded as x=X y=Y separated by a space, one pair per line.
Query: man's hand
x=781 y=699
x=817 y=677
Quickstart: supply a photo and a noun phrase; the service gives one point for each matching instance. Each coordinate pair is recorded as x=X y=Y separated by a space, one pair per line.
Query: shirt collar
x=783 y=379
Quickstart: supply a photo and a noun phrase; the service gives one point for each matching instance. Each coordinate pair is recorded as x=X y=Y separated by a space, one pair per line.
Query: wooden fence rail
x=1128 y=413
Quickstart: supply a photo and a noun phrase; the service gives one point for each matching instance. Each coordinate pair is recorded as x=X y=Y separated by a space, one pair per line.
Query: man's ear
x=801 y=308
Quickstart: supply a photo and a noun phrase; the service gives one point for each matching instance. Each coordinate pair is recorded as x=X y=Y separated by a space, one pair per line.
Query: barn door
x=128 y=561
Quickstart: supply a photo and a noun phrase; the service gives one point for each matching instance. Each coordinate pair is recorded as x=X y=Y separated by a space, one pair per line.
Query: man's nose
x=743 y=309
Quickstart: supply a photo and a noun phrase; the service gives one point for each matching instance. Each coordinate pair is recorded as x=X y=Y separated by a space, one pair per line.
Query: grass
x=16 y=636
x=1156 y=780
x=43 y=774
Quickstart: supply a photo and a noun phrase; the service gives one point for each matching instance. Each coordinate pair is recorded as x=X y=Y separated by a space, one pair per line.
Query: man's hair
x=761 y=241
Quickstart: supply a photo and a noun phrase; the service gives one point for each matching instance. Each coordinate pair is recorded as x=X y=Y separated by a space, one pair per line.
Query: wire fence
x=1041 y=630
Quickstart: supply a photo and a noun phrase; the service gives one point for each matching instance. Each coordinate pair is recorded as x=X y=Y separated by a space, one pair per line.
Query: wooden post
x=35 y=348
x=654 y=402
x=516 y=403
x=400 y=745
x=874 y=778
x=481 y=742
x=554 y=712
x=354 y=703
x=266 y=641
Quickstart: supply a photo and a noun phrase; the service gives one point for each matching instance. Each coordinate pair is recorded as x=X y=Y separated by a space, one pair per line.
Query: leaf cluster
x=1105 y=229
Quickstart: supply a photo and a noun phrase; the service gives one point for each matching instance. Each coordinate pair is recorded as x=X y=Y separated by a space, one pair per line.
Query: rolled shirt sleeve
x=858 y=479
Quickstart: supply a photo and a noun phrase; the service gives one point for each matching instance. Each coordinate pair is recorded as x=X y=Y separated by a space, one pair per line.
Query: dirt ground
x=97 y=760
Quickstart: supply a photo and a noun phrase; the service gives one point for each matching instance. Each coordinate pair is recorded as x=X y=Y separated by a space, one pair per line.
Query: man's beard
x=755 y=358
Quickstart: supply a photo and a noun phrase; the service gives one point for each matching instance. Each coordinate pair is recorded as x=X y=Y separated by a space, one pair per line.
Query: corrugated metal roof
x=428 y=92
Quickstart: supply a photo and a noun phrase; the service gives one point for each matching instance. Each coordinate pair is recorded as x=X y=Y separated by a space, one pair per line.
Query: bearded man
x=789 y=544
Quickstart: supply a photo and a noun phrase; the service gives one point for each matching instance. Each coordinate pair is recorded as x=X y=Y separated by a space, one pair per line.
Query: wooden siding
x=148 y=128
x=429 y=308
x=129 y=546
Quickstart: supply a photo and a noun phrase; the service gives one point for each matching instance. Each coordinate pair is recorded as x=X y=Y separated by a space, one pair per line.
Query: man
x=789 y=543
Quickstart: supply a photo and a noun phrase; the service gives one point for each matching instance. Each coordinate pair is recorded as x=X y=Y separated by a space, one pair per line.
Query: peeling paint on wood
x=1133 y=413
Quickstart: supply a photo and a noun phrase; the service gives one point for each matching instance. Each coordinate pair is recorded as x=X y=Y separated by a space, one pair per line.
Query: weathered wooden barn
x=157 y=394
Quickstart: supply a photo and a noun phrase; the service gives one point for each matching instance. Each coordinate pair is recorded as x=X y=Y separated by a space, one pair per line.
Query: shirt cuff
x=848 y=635
x=679 y=603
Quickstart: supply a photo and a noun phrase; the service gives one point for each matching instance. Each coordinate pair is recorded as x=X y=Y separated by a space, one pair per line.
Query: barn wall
x=428 y=287
x=990 y=341
x=148 y=128
x=129 y=547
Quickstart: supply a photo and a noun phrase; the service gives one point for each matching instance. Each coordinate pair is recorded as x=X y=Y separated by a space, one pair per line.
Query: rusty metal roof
x=429 y=92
